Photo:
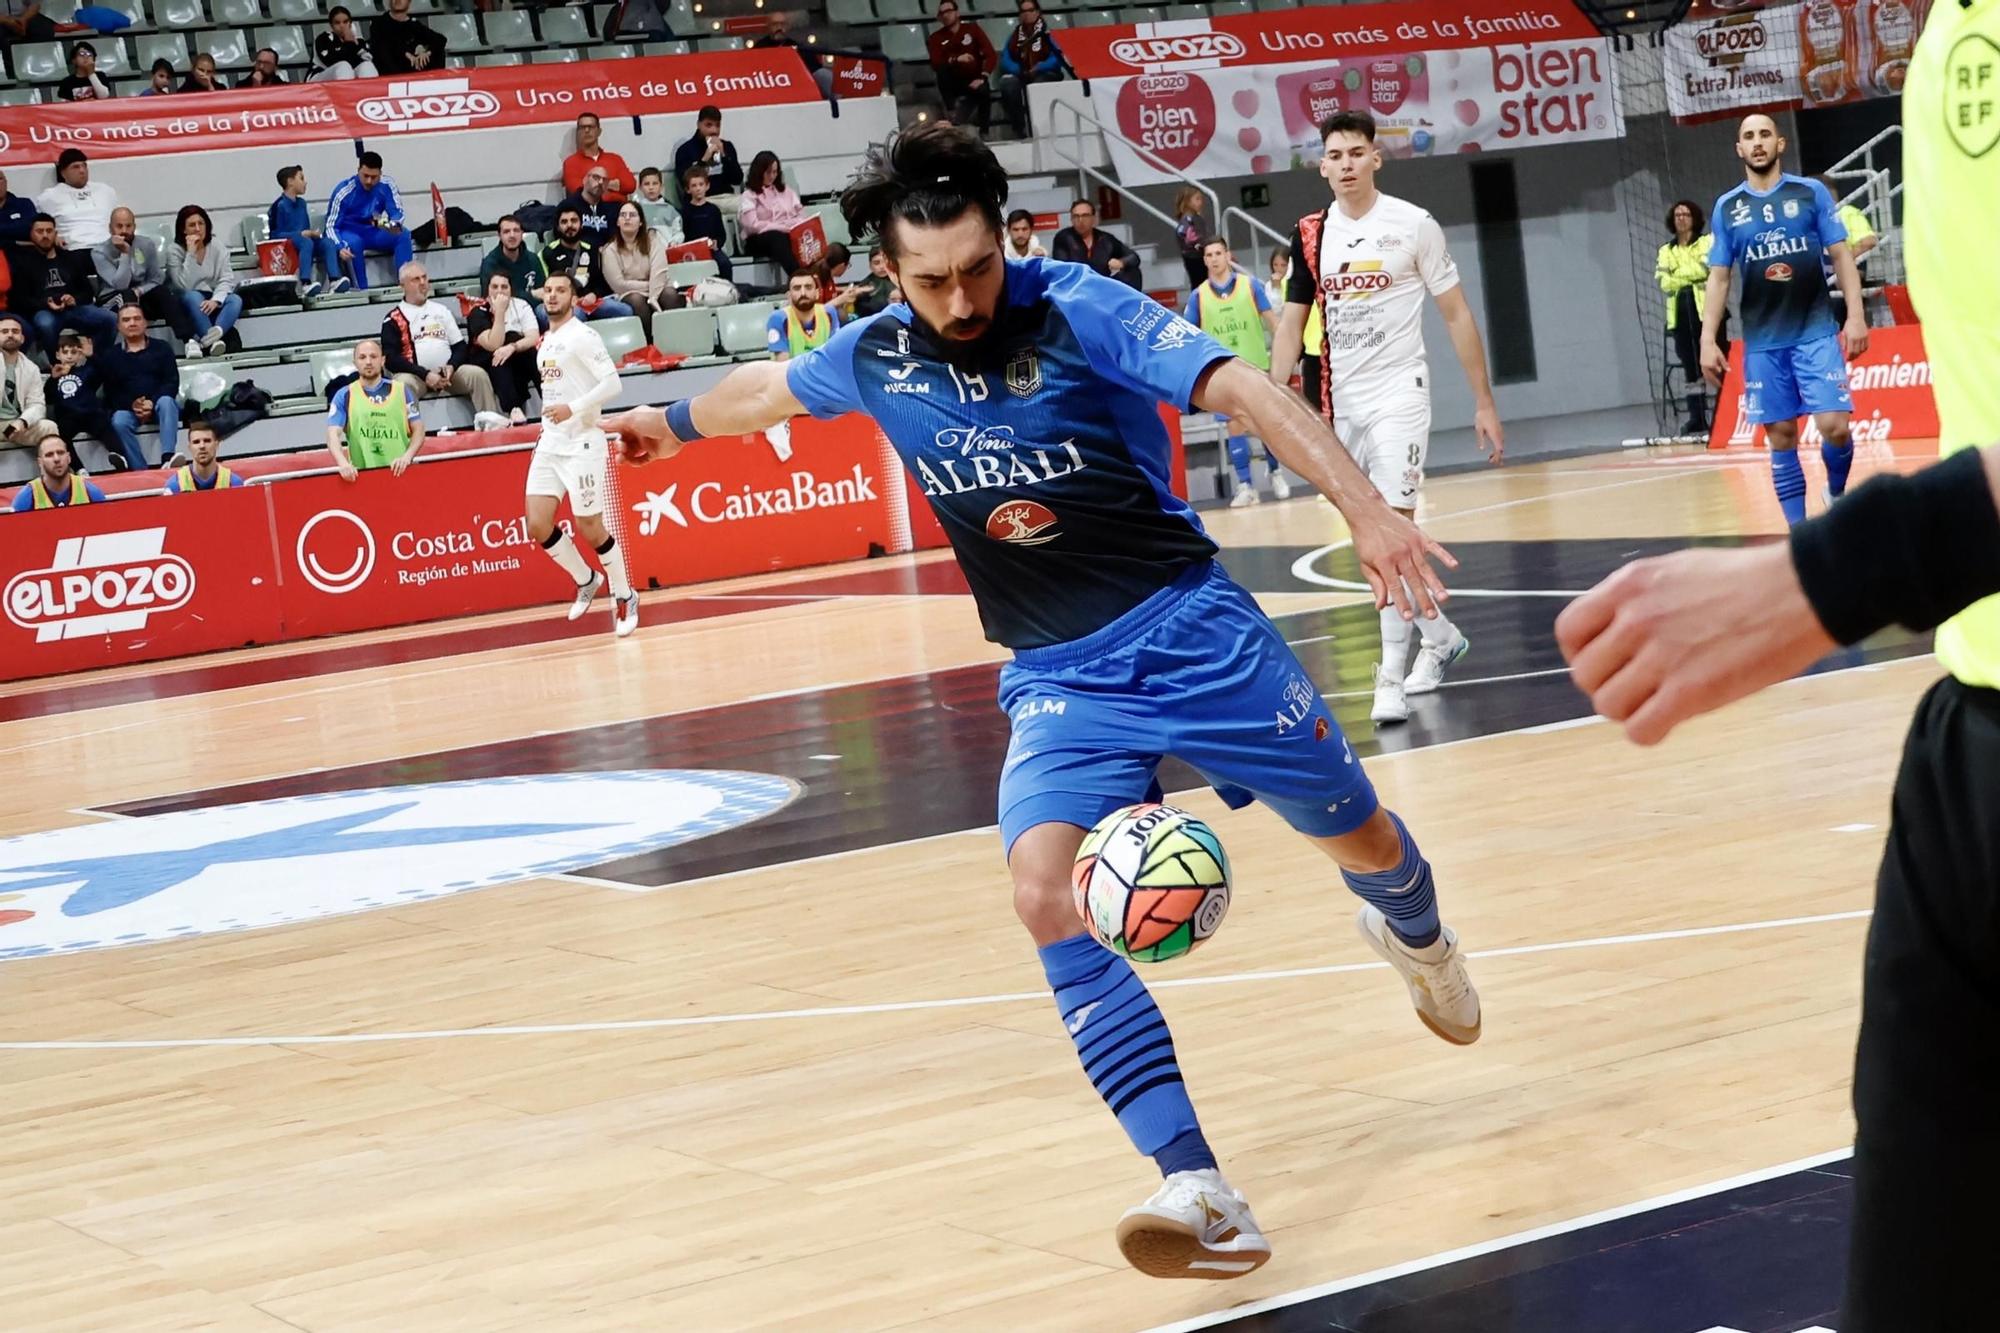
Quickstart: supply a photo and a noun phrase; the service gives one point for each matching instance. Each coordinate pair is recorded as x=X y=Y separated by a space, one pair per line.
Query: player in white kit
x=1369 y=259
x=578 y=380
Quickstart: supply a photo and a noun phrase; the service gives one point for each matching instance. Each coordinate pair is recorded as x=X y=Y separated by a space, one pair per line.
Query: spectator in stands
x=162 y=81
x=71 y=393
x=1082 y=243
x=597 y=213
x=964 y=59
x=832 y=291
x=770 y=210
x=660 y=215
x=264 y=74
x=713 y=153
x=635 y=266
x=572 y=253
x=338 y=53
x=202 y=472
x=501 y=336
x=700 y=218
x=402 y=45
x=365 y=215
x=83 y=83
x=290 y=219
x=1192 y=233
x=378 y=426
x=618 y=180
x=52 y=287
x=1681 y=268
x=202 y=77
x=24 y=21
x=778 y=33
x=513 y=258
x=804 y=323
x=199 y=270
x=55 y=484
x=130 y=270
x=880 y=291
x=1021 y=242
x=1030 y=56
x=24 y=416
x=80 y=206
x=425 y=350
x=17 y=215
x=142 y=385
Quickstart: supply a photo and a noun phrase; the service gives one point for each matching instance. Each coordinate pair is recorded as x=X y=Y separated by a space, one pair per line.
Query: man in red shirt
x=964 y=59
x=619 y=180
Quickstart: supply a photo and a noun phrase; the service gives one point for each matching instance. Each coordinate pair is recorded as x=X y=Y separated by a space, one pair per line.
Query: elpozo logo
x=269 y=863
x=335 y=551
x=1209 y=46
x=101 y=584
x=429 y=104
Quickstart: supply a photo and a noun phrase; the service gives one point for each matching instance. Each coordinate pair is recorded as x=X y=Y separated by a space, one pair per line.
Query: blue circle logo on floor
x=270 y=863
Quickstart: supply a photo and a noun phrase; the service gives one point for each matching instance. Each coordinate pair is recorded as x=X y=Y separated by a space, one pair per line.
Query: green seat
x=742 y=327
x=904 y=42
x=689 y=331
x=560 y=55
x=499 y=59
x=171 y=47
x=330 y=365
x=254 y=228
x=689 y=273
x=235 y=13
x=622 y=336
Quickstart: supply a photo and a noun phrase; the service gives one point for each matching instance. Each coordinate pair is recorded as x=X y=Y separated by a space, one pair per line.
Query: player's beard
x=975 y=348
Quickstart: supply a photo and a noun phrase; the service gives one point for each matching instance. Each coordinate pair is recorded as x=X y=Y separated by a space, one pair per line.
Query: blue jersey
x=1047 y=464
x=1780 y=237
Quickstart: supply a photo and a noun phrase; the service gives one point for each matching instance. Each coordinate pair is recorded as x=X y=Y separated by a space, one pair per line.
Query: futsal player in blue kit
x=1780 y=228
x=1024 y=397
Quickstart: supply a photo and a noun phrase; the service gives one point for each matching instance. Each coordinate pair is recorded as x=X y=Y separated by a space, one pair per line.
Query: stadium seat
x=903 y=41
x=227 y=45
x=566 y=25
x=834 y=221
x=508 y=30
x=998 y=30
x=296 y=11
x=681 y=19
x=460 y=32
x=615 y=51
x=850 y=11
x=497 y=59
x=555 y=55
x=288 y=40
x=1222 y=7
x=689 y=332
x=40 y=62
x=742 y=326
x=1145 y=14
x=20 y=96
x=160 y=229
x=692 y=271
x=114 y=56
x=176 y=14
x=1056 y=20
x=665 y=49
x=621 y=337
x=362 y=11
x=131 y=9
x=171 y=47
x=331 y=364
x=251 y=230
x=235 y=13
x=901 y=11
x=721 y=44
x=1187 y=11
x=1266 y=6
x=1097 y=18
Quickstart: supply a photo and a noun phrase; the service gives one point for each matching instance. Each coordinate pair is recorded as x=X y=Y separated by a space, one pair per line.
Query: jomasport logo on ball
x=101 y=584
x=231 y=868
x=429 y=104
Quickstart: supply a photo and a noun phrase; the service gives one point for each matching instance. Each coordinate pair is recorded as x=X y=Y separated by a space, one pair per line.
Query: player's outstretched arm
x=1471 y=349
x=1395 y=554
x=1288 y=342
x=750 y=398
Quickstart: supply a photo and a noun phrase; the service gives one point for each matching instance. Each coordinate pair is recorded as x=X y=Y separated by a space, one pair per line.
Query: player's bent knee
x=1371 y=848
x=1047 y=907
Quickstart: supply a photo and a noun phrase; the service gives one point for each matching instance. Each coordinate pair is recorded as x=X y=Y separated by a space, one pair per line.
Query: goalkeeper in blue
x=1024 y=398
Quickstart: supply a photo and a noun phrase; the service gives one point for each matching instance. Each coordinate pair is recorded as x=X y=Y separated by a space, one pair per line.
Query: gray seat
x=227 y=45
x=622 y=336
x=903 y=41
x=688 y=332
x=509 y=30
x=499 y=59
x=688 y=273
x=460 y=32
x=742 y=327
x=616 y=51
x=114 y=57
x=558 y=55
x=20 y=96
x=296 y=11
x=331 y=364
x=850 y=11
x=288 y=40
x=175 y=14
x=665 y=49
x=235 y=13
x=901 y=11
x=253 y=229
x=565 y=25
x=171 y=47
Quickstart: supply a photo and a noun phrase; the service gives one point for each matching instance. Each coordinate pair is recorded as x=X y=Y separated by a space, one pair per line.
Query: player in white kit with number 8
x=578 y=380
x=1368 y=261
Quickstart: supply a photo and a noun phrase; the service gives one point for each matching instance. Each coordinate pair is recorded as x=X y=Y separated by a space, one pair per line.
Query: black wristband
x=1911 y=551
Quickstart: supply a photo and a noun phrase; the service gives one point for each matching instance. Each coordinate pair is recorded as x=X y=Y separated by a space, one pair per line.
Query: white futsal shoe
x=1440 y=988
x=1245 y=497
x=1280 y=488
x=1390 y=705
x=1195 y=1226
x=1429 y=671
x=625 y=617
x=585 y=594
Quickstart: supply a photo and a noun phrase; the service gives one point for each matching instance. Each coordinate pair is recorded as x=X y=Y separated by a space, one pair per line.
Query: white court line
x=1658 y=1201
x=894 y=1007
x=1461 y=684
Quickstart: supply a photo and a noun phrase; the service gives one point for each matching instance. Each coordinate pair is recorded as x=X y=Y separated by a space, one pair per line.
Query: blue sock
x=1126 y=1050
x=1405 y=895
x=1239 y=457
x=1789 y=479
x=1839 y=460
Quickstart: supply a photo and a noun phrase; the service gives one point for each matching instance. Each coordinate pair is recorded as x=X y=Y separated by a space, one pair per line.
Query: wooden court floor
x=835 y=1095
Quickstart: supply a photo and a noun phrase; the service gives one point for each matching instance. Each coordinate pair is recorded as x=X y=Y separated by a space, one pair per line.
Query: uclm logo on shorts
x=1143 y=51
x=100 y=585
x=429 y=104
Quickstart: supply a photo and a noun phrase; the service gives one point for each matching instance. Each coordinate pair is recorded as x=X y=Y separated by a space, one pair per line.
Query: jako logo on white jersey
x=429 y=104
x=1020 y=467
x=1143 y=51
x=709 y=503
x=99 y=585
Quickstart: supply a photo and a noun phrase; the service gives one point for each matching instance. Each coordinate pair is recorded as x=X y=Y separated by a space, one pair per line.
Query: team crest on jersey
x=1362 y=277
x=1778 y=273
x=1022 y=522
x=1024 y=373
x=1791 y=208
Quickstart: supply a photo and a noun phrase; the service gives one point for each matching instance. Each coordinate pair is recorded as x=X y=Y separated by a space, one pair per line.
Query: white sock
x=563 y=551
x=613 y=557
x=1437 y=631
x=1395 y=641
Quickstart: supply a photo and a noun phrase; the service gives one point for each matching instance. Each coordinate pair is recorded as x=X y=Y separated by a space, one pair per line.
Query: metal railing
x=1876 y=196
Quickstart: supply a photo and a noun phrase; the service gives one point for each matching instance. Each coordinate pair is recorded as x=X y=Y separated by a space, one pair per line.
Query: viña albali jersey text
x=1781 y=239
x=1047 y=464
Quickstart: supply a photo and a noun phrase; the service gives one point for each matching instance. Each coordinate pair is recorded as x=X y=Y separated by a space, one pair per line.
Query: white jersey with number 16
x=573 y=362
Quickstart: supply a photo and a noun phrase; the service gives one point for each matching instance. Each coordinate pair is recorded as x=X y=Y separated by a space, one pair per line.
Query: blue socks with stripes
x=1123 y=1041
x=1790 y=481
x=1239 y=457
x=1839 y=460
x=1405 y=894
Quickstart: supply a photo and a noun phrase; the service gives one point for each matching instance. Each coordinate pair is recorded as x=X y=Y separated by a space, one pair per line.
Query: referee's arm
x=1667 y=639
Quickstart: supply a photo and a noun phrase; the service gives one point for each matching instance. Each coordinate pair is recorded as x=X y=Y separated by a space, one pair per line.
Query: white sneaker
x=1428 y=673
x=212 y=338
x=489 y=421
x=340 y=285
x=1390 y=705
x=308 y=290
x=193 y=350
x=1440 y=988
x=1196 y=1226
x=1280 y=488
x=625 y=617
x=585 y=594
x=1245 y=497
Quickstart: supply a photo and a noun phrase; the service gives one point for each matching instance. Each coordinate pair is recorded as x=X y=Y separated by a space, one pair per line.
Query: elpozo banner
x=1729 y=56
x=1244 y=94
x=455 y=99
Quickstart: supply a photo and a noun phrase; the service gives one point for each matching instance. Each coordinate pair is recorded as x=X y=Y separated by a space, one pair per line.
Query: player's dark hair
x=337 y=11
x=199 y=424
x=565 y=275
x=654 y=172
x=798 y=273
x=929 y=177
x=371 y=159
x=285 y=175
x=1348 y=122
x=1214 y=240
x=1021 y=215
x=1692 y=207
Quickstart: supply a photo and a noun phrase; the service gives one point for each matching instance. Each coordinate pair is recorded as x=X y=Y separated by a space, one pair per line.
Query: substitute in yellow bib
x=804 y=323
x=372 y=422
x=1235 y=310
x=205 y=473
x=54 y=485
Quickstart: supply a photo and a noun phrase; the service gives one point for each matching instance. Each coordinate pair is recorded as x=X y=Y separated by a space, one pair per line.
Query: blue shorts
x=1785 y=383
x=1195 y=671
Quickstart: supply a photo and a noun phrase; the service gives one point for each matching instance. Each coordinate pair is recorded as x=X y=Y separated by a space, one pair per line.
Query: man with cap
x=81 y=207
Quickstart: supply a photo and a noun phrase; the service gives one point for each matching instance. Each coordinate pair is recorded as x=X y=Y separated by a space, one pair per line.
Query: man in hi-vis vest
x=55 y=485
x=378 y=426
x=804 y=323
x=1234 y=309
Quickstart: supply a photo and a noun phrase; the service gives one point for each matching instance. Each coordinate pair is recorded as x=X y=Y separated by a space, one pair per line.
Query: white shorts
x=579 y=476
x=1390 y=439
